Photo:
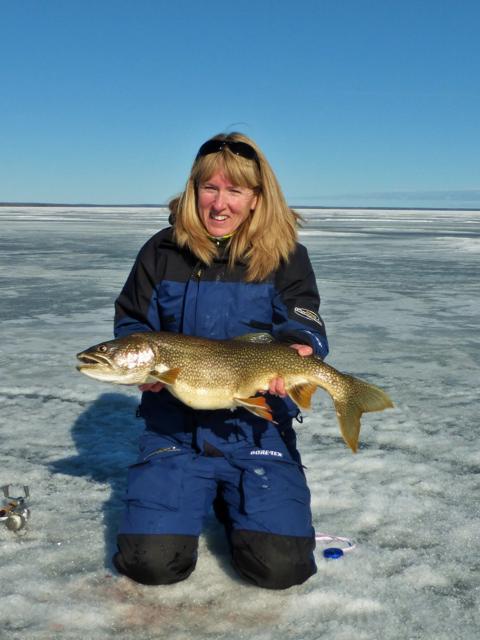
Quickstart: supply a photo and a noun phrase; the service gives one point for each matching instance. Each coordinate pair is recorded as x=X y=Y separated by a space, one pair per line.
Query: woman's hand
x=277 y=385
x=151 y=386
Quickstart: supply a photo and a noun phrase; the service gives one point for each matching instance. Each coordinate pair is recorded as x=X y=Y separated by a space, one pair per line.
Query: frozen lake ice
x=401 y=300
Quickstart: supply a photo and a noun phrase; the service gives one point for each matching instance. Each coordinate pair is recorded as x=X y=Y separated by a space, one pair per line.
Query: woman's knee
x=156 y=559
x=273 y=561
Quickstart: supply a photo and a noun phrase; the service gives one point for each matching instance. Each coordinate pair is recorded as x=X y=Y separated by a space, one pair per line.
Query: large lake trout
x=225 y=374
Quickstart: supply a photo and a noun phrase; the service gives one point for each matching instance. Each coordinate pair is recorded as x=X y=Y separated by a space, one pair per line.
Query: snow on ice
x=401 y=300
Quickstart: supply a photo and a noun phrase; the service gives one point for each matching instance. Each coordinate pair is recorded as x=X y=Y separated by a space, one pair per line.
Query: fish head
x=127 y=360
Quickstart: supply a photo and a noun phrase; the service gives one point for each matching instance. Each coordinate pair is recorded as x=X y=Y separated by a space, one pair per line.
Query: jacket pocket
x=157 y=481
x=266 y=483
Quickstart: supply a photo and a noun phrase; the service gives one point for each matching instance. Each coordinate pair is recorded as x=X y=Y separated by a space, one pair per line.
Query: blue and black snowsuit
x=247 y=467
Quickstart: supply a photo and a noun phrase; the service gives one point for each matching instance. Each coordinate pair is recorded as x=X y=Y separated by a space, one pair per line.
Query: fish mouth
x=90 y=360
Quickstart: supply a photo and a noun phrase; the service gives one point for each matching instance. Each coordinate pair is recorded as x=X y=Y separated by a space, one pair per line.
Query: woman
x=228 y=265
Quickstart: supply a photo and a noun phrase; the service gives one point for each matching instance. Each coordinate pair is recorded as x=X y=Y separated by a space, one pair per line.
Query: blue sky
x=354 y=102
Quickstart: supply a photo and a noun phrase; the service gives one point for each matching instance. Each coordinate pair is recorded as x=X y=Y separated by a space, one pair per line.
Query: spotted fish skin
x=222 y=374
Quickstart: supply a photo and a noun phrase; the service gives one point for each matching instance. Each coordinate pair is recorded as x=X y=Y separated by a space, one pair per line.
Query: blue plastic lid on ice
x=334 y=553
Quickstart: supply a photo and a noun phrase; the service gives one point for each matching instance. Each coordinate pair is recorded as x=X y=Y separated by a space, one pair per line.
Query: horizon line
x=165 y=206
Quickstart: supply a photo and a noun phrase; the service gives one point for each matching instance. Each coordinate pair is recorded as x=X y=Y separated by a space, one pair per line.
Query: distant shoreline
x=165 y=206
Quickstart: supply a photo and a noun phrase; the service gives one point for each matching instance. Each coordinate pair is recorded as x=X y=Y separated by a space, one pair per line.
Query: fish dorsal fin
x=256 y=405
x=167 y=377
x=302 y=394
x=258 y=338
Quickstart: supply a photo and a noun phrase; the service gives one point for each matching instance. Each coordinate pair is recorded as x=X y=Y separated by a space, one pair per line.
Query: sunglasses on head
x=241 y=149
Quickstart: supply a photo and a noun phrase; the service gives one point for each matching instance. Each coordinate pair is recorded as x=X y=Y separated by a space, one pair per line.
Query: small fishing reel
x=15 y=513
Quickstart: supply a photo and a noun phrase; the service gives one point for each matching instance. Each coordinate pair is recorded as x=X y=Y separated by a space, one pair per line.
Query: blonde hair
x=265 y=239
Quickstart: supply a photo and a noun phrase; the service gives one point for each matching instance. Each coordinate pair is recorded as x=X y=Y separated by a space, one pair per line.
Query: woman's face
x=223 y=206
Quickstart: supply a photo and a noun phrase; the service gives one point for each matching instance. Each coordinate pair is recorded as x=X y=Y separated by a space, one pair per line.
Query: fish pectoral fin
x=302 y=394
x=256 y=405
x=167 y=377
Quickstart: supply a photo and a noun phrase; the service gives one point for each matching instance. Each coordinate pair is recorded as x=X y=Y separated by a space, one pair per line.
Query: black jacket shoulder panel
x=296 y=285
x=295 y=279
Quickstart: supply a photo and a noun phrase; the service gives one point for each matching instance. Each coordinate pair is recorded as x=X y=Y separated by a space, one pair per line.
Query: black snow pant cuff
x=156 y=559
x=273 y=561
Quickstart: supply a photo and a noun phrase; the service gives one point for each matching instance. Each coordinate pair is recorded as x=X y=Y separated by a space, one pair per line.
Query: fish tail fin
x=359 y=397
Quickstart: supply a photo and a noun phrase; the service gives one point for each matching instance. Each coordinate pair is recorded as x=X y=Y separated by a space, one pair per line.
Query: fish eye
x=103 y=348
